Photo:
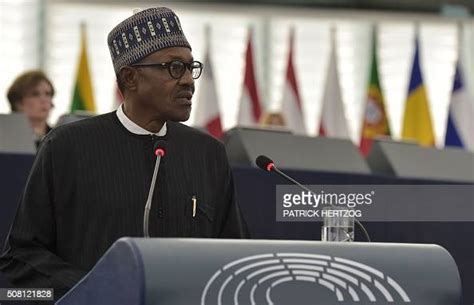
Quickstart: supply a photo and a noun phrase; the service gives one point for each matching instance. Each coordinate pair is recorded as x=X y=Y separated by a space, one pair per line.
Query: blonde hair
x=272 y=119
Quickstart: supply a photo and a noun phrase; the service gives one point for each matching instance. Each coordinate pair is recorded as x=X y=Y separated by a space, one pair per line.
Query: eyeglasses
x=176 y=68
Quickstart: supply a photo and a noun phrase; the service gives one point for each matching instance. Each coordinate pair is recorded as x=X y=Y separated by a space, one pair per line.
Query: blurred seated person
x=270 y=119
x=32 y=93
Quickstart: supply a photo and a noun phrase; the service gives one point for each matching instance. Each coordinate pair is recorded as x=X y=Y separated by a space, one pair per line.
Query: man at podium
x=91 y=179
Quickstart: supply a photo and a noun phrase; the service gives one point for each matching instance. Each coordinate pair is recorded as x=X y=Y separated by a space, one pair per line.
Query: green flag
x=375 y=122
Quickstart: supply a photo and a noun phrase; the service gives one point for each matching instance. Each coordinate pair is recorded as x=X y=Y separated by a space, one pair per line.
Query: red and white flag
x=250 y=108
x=333 y=117
x=207 y=114
x=291 y=107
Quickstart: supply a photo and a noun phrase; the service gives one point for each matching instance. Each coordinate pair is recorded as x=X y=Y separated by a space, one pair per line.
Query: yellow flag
x=83 y=98
x=417 y=119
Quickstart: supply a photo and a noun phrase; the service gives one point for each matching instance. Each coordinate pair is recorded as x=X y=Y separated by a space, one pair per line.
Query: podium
x=168 y=271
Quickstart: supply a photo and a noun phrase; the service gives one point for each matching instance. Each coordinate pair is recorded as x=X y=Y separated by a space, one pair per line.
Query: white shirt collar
x=133 y=127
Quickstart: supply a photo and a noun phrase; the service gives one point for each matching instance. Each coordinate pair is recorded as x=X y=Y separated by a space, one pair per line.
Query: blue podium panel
x=211 y=272
x=13 y=174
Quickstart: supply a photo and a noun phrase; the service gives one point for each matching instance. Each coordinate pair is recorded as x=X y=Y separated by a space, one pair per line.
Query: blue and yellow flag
x=417 y=119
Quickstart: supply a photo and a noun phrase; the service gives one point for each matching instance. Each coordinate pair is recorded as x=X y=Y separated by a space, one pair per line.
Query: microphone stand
x=146 y=215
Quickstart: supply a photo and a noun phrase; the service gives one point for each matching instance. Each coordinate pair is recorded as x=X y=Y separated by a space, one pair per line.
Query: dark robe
x=88 y=188
x=40 y=138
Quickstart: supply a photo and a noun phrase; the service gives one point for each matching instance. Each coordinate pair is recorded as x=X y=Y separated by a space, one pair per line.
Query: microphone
x=268 y=165
x=159 y=149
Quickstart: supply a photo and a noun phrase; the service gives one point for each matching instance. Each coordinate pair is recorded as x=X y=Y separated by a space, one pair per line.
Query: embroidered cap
x=145 y=33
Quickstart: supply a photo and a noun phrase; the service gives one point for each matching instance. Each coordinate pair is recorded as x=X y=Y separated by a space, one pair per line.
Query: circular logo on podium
x=286 y=278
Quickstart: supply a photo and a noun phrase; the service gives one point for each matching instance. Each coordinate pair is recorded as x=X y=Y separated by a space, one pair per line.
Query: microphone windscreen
x=161 y=145
x=263 y=161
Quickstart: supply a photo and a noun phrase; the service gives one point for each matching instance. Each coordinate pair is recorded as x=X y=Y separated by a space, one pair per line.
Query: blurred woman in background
x=32 y=93
x=272 y=119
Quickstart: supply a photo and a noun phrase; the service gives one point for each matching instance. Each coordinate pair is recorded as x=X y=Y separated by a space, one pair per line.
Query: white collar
x=133 y=127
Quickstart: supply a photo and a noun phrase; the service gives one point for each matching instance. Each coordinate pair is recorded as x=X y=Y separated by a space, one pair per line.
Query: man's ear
x=128 y=77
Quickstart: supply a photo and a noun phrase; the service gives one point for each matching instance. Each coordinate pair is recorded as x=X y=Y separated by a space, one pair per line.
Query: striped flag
x=375 y=122
x=83 y=98
x=460 y=127
x=292 y=108
x=207 y=106
x=333 y=118
x=250 y=108
x=417 y=124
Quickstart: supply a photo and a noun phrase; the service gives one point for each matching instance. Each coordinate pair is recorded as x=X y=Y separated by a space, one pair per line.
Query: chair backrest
x=76 y=116
x=16 y=135
x=244 y=144
x=412 y=161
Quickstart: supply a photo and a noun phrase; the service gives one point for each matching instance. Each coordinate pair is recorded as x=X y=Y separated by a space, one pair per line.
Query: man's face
x=165 y=97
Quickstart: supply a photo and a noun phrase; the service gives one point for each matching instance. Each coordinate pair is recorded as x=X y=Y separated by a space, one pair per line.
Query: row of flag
x=207 y=112
x=417 y=123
